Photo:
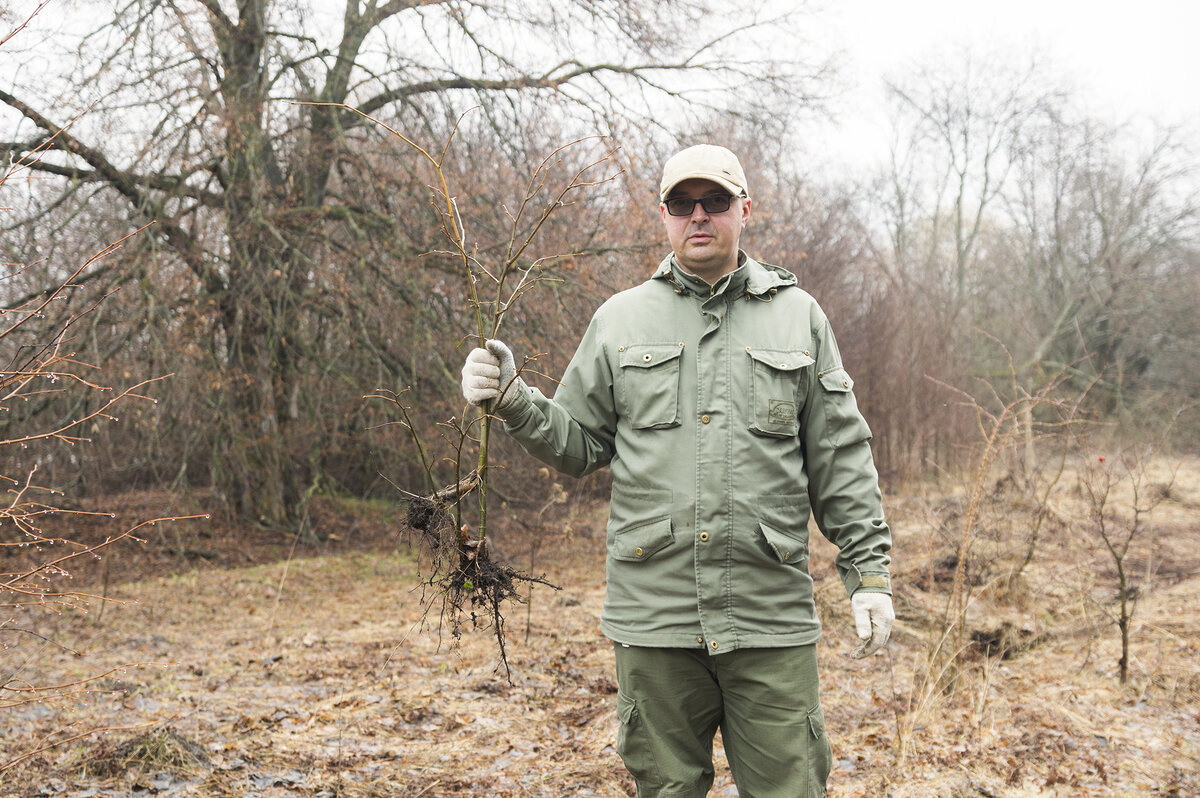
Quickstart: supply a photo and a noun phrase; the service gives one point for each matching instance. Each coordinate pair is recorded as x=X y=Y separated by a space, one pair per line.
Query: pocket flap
x=816 y=723
x=836 y=380
x=788 y=549
x=637 y=543
x=644 y=356
x=626 y=708
x=781 y=359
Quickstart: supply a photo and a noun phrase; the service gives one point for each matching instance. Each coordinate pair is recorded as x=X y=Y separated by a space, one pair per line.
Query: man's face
x=705 y=244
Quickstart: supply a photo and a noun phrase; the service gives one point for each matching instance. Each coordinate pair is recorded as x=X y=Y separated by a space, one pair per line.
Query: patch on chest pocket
x=780 y=411
x=776 y=381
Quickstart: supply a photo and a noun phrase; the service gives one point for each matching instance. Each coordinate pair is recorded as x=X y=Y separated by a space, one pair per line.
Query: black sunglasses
x=685 y=206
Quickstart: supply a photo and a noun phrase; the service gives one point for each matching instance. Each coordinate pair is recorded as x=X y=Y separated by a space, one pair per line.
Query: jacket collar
x=750 y=277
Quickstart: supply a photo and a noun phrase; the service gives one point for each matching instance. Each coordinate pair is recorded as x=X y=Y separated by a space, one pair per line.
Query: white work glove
x=487 y=372
x=873 y=619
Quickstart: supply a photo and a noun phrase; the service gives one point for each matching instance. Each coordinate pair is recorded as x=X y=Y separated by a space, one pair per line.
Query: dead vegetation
x=160 y=750
x=332 y=682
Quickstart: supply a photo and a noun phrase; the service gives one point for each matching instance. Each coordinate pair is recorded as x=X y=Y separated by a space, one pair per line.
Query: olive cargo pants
x=671 y=701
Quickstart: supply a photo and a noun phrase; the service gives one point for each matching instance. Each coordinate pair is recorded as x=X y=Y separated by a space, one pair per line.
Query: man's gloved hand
x=489 y=373
x=873 y=619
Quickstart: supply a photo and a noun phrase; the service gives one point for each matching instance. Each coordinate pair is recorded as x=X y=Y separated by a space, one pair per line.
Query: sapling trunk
x=466 y=576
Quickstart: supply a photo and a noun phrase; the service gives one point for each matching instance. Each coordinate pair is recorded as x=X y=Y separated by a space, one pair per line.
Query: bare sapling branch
x=1120 y=497
x=466 y=574
x=1001 y=420
x=50 y=399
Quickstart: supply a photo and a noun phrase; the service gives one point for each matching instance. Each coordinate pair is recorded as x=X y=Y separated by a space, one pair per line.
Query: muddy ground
x=243 y=667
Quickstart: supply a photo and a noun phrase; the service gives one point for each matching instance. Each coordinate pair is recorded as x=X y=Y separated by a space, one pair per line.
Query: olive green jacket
x=726 y=417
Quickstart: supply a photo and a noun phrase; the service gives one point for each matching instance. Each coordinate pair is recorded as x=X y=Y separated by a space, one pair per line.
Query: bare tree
x=190 y=124
x=1103 y=244
x=956 y=137
x=1120 y=498
x=955 y=134
x=1005 y=208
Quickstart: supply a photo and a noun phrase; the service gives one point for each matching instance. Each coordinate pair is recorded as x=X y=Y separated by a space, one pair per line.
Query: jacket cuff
x=517 y=405
x=874 y=581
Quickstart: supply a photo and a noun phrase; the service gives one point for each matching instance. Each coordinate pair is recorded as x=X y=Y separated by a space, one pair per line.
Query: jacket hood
x=758 y=278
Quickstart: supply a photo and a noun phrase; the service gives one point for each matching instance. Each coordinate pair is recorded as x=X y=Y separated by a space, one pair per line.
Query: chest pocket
x=777 y=380
x=650 y=384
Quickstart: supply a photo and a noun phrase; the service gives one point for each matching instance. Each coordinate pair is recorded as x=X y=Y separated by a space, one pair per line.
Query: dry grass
x=324 y=683
x=156 y=751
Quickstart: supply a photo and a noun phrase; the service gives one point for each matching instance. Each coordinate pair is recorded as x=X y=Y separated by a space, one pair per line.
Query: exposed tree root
x=464 y=575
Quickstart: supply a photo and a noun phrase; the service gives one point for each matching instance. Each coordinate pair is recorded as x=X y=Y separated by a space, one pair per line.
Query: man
x=715 y=393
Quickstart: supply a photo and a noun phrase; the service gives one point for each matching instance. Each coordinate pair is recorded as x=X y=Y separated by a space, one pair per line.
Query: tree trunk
x=259 y=479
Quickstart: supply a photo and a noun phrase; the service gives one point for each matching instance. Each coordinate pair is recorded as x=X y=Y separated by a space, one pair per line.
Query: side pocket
x=788 y=550
x=844 y=425
x=638 y=543
x=633 y=743
x=820 y=755
x=776 y=378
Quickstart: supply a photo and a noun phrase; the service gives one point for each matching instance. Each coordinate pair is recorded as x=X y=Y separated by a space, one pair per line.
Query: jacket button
x=787 y=554
x=705 y=419
x=845 y=383
x=699 y=639
x=703 y=537
x=647 y=358
x=806 y=351
x=638 y=551
x=714 y=645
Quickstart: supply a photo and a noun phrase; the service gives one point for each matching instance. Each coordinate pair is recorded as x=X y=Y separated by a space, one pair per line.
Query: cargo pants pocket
x=820 y=755
x=634 y=744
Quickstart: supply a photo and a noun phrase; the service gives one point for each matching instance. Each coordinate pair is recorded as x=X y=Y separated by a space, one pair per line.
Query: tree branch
x=179 y=239
x=214 y=8
x=170 y=183
x=545 y=81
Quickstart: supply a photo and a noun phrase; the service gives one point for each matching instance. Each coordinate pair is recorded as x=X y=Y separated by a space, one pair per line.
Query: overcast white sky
x=1130 y=59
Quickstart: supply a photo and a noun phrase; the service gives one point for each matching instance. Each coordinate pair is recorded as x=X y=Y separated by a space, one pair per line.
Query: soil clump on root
x=464 y=575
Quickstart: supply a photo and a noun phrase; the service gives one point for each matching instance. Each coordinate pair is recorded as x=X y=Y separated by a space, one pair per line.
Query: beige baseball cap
x=707 y=162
